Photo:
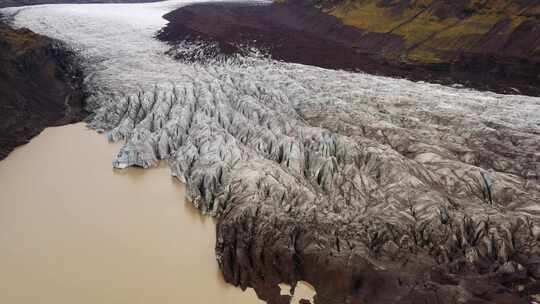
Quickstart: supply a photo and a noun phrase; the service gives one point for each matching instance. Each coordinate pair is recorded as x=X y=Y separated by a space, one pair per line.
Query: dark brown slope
x=40 y=86
x=302 y=33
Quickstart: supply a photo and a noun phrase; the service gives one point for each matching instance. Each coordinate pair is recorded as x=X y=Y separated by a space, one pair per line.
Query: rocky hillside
x=40 y=86
x=442 y=31
x=491 y=45
x=488 y=36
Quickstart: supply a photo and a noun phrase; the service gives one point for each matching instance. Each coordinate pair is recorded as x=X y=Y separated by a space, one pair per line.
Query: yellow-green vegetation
x=534 y=11
x=536 y=52
x=430 y=28
x=19 y=40
x=368 y=16
x=420 y=55
x=462 y=34
x=516 y=21
x=423 y=27
x=474 y=25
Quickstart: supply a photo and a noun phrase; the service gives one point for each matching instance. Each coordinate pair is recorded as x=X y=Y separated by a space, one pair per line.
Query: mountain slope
x=445 y=31
x=483 y=46
x=40 y=86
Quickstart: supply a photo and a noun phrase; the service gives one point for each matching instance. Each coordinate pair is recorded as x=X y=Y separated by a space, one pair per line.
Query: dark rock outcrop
x=489 y=49
x=40 y=86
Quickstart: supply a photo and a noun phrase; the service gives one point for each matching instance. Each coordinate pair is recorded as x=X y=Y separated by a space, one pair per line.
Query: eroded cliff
x=498 y=37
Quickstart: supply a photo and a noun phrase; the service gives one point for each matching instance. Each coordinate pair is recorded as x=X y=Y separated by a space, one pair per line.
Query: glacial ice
x=381 y=162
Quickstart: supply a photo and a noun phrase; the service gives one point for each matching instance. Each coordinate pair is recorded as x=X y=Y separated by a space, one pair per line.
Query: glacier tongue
x=303 y=163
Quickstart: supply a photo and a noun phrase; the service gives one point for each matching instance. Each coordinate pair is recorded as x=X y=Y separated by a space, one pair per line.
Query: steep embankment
x=482 y=46
x=492 y=38
x=40 y=86
x=441 y=31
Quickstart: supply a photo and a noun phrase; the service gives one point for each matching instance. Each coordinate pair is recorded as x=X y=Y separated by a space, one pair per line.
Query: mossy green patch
x=19 y=39
x=425 y=32
x=424 y=56
x=423 y=27
x=368 y=16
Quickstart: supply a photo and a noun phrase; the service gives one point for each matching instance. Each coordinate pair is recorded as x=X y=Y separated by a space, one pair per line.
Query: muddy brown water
x=74 y=230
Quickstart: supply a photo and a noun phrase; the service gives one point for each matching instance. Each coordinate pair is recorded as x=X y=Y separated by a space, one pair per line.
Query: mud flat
x=73 y=230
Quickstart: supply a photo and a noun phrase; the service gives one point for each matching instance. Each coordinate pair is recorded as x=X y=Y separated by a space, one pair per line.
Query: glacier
x=304 y=166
